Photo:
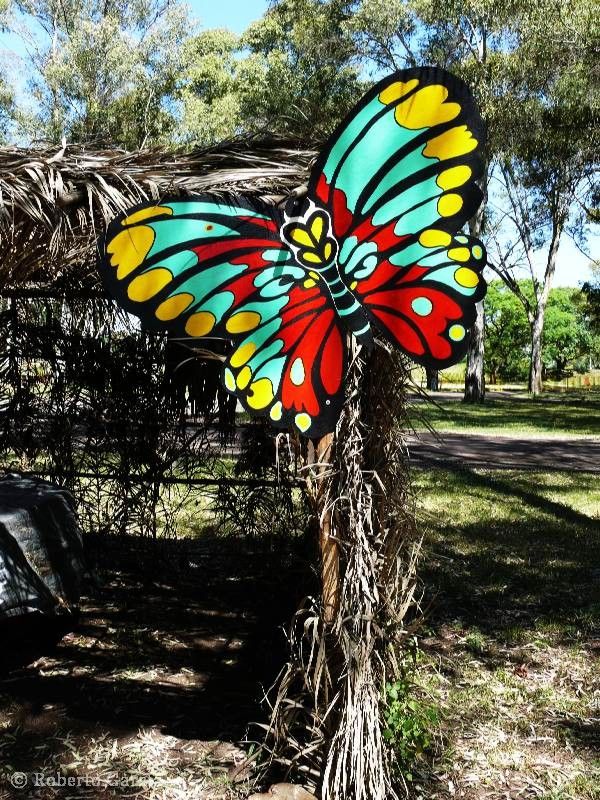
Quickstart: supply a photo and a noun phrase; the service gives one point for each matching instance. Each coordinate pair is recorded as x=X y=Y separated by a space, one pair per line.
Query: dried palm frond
x=53 y=205
x=326 y=725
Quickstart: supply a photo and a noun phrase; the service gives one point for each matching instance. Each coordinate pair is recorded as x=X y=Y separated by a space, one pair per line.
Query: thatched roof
x=54 y=204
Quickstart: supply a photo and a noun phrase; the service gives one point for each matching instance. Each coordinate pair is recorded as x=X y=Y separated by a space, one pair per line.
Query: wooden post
x=320 y=453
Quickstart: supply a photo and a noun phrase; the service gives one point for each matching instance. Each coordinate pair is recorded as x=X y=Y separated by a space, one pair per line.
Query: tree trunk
x=322 y=453
x=535 y=368
x=475 y=375
x=432 y=377
x=537 y=326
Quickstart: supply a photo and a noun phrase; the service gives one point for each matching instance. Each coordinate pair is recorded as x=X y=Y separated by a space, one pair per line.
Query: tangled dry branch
x=327 y=715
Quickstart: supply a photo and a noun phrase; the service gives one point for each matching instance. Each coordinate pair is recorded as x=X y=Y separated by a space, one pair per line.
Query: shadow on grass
x=517 y=561
x=549 y=414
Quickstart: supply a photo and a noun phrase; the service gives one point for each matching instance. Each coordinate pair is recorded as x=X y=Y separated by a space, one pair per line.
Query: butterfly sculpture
x=374 y=249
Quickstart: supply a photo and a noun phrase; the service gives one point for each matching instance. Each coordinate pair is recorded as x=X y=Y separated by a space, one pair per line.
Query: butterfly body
x=311 y=239
x=375 y=247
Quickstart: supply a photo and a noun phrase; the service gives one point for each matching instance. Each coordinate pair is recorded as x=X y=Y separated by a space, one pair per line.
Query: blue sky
x=237 y=15
x=233 y=14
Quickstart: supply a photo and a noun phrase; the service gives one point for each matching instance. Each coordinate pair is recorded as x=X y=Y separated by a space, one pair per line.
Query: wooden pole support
x=329 y=548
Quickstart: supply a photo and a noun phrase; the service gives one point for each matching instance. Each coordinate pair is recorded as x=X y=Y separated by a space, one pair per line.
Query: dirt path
x=505 y=452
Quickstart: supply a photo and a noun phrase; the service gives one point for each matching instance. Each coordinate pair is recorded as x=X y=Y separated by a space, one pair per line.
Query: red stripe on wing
x=393 y=309
x=310 y=332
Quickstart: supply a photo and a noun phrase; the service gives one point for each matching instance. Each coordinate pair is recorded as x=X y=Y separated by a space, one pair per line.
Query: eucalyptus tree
x=209 y=88
x=294 y=71
x=6 y=93
x=6 y=108
x=591 y=291
x=103 y=72
x=549 y=167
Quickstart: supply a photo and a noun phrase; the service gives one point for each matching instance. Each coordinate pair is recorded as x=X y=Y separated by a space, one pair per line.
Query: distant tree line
x=142 y=74
x=571 y=341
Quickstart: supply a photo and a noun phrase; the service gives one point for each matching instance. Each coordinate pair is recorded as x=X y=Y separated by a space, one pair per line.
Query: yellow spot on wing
x=434 y=238
x=314 y=275
x=353 y=285
x=261 y=393
x=457 y=333
x=453 y=177
x=466 y=277
x=172 y=307
x=276 y=411
x=301 y=237
x=477 y=251
x=148 y=284
x=303 y=421
x=459 y=253
x=426 y=108
x=316 y=228
x=229 y=380
x=146 y=213
x=456 y=142
x=243 y=321
x=242 y=354
x=327 y=251
x=312 y=257
x=244 y=377
x=309 y=283
x=129 y=248
x=397 y=90
x=449 y=204
x=200 y=324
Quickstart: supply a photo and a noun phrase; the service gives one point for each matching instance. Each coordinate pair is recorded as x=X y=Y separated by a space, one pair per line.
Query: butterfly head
x=310 y=238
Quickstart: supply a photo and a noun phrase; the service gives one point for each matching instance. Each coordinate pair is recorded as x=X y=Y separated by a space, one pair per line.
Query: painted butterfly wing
x=375 y=242
x=428 y=307
x=399 y=181
x=292 y=366
x=207 y=267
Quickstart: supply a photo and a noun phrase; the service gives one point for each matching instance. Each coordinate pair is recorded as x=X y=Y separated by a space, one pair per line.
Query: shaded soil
x=167 y=664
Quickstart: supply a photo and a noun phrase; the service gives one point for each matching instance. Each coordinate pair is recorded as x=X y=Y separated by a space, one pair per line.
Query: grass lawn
x=573 y=413
x=510 y=653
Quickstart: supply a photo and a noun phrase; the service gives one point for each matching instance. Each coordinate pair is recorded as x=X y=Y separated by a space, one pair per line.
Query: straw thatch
x=54 y=203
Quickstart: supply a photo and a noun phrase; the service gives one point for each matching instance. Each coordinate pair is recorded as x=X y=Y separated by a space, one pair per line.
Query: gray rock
x=41 y=550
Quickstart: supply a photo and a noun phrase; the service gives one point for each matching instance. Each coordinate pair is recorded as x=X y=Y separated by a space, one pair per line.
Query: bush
x=410 y=724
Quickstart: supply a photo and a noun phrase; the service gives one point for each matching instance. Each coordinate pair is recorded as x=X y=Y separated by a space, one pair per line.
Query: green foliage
x=6 y=109
x=591 y=292
x=292 y=72
x=567 y=338
x=210 y=89
x=303 y=63
x=410 y=723
x=507 y=334
x=568 y=342
x=104 y=72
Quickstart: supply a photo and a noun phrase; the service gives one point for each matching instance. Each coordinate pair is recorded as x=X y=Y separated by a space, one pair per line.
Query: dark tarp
x=41 y=551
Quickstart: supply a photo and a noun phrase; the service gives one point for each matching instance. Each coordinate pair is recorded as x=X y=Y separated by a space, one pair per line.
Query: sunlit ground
x=511 y=647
